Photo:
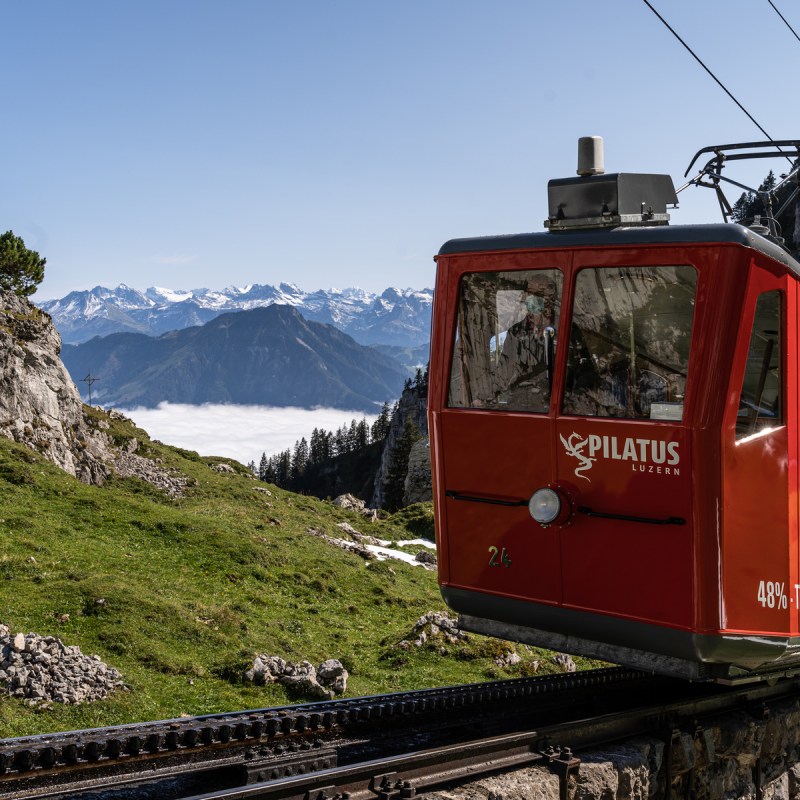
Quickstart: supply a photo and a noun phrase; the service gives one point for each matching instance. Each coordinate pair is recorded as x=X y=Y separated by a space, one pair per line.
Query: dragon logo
x=574 y=447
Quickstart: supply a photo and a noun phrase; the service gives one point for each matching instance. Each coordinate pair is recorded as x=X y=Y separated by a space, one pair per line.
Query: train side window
x=505 y=340
x=629 y=342
x=760 y=403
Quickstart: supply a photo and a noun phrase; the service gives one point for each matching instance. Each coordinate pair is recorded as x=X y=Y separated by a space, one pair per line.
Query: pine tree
x=299 y=459
x=340 y=442
x=380 y=428
x=768 y=183
x=352 y=437
x=21 y=269
x=283 y=469
x=750 y=205
x=325 y=446
x=741 y=208
x=315 y=445
x=362 y=434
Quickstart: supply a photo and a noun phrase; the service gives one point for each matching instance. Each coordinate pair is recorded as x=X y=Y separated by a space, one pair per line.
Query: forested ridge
x=347 y=460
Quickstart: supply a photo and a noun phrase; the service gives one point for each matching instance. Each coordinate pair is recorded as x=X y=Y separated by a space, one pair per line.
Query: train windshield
x=629 y=342
x=505 y=340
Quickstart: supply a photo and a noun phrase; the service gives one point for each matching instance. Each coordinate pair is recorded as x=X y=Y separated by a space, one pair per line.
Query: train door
x=623 y=449
x=759 y=541
x=496 y=425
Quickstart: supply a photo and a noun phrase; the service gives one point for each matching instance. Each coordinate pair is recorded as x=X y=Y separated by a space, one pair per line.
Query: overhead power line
x=784 y=20
x=700 y=62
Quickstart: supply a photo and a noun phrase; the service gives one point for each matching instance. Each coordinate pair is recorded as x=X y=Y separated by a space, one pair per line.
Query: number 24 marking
x=504 y=558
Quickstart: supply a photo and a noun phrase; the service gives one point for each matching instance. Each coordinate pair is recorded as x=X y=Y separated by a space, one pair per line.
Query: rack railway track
x=388 y=746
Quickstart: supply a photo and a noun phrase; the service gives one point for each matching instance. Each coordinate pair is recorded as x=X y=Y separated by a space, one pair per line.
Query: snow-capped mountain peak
x=395 y=317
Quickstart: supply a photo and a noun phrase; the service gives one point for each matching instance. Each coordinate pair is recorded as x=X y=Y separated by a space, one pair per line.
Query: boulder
x=433 y=624
x=300 y=677
x=426 y=557
x=352 y=503
x=565 y=662
x=349 y=502
x=332 y=674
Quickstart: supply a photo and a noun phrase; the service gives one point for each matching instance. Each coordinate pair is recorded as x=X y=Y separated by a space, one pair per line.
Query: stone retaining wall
x=737 y=757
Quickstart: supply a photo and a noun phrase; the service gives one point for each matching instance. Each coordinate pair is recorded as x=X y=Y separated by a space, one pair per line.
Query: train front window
x=760 y=399
x=629 y=342
x=504 y=351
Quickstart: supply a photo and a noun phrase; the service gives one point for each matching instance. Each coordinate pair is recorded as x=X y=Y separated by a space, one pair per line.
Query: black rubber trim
x=495 y=501
x=626 y=518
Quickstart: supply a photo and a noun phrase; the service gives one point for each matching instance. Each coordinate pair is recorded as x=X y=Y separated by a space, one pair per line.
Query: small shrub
x=190 y=455
x=233 y=668
x=16 y=473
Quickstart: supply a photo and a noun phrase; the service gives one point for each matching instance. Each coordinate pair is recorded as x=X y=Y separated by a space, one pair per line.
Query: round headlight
x=545 y=506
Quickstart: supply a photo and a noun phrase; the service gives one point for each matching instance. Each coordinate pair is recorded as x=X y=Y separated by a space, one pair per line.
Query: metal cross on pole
x=89 y=380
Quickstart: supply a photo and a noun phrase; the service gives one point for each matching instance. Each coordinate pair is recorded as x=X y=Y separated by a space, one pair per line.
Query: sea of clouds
x=239 y=432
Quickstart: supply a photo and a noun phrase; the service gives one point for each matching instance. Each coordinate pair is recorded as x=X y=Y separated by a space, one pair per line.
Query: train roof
x=717 y=233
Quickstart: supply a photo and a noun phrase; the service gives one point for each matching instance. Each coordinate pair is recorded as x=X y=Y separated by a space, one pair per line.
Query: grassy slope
x=193 y=588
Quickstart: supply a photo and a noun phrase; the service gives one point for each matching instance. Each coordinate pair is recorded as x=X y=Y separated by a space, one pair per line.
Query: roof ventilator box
x=597 y=200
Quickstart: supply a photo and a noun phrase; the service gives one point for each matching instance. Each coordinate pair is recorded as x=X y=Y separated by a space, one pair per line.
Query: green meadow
x=191 y=589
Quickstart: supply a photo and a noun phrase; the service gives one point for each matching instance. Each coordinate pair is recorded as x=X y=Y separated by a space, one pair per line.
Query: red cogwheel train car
x=613 y=408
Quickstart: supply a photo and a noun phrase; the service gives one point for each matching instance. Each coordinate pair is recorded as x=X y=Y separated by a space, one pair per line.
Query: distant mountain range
x=397 y=317
x=264 y=356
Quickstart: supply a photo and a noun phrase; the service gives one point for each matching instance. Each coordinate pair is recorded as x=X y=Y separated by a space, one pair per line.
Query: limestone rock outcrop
x=418 y=486
x=431 y=625
x=323 y=683
x=352 y=503
x=40 y=406
x=413 y=404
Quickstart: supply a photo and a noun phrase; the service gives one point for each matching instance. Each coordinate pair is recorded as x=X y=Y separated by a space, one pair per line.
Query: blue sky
x=188 y=144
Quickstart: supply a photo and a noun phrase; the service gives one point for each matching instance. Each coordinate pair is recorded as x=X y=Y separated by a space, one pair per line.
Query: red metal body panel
x=756 y=495
x=638 y=570
x=510 y=471
x=739 y=500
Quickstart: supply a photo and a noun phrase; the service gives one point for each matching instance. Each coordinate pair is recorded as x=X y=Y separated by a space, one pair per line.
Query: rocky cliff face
x=413 y=404
x=40 y=406
x=418 y=487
